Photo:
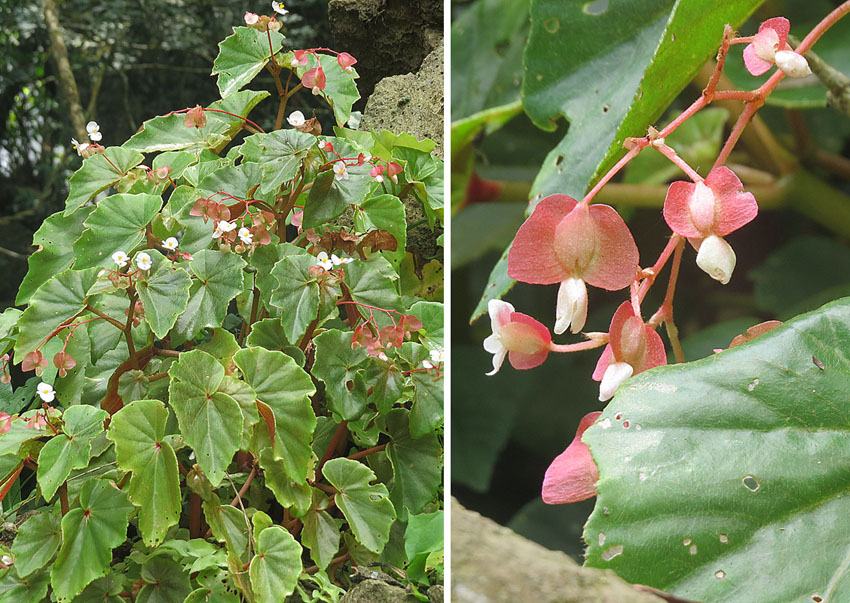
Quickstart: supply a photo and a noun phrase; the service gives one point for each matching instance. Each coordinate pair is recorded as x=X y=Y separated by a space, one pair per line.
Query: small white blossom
x=222 y=227
x=322 y=144
x=251 y=18
x=295 y=119
x=316 y=91
x=427 y=364
x=246 y=236
x=143 y=261
x=94 y=131
x=379 y=178
x=278 y=8
x=46 y=393
x=80 y=148
x=437 y=355
x=170 y=243
x=324 y=261
x=120 y=258
x=339 y=170
x=792 y=64
x=6 y=560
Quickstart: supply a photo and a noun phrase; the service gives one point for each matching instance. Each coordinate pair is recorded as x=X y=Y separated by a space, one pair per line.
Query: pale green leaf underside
x=242 y=56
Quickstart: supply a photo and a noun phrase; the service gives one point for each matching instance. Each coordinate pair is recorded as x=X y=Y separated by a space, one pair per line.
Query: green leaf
x=237 y=180
x=341 y=368
x=227 y=524
x=178 y=161
x=385 y=383
x=340 y=88
x=33 y=590
x=268 y=333
x=423 y=535
x=609 y=89
x=280 y=154
x=242 y=56
x=286 y=389
x=487 y=43
x=331 y=195
x=498 y=284
x=164 y=294
x=37 y=541
x=117 y=224
x=292 y=496
x=771 y=424
x=210 y=421
x=321 y=533
x=70 y=449
x=97 y=173
x=89 y=533
x=431 y=315
x=219 y=280
x=366 y=507
x=385 y=212
x=417 y=465
x=297 y=295
x=54 y=238
x=427 y=411
x=103 y=590
x=275 y=568
x=169 y=133
x=138 y=431
x=60 y=298
x=166 y=581
x=373 y=283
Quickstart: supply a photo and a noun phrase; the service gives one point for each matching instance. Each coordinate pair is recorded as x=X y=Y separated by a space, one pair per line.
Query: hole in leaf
x=724 y=539
x=552 y=25
x=605 y=108
x=693 y=549
x=626 y=424
x=817 y=598
x=611 y=552
x=601 y=538
x=595 y=8
x=687 y=541
x=558 y=160
x=618 y=416
x=751 y=483
x=720 y=574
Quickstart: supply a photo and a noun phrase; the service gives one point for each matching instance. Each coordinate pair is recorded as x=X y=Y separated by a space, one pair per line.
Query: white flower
x=322 y=144
x=246 y=236
x=316 y=91
x=94 y=131
x=339 y=170
x=336 y=260
x=278 y=8
x=437 y=355
x=143 y=261
x=500 y=315
x=120 y=258
x=251 y=18
x=324 y=261
x=45 y=392
x=170 y=243
x=222 y=227
x=427 y=364
x=571 y=310
x=80 y=148
x=379 y=178
x=792 y=64
x=716 y=258
x=6 y=560
x=295 y=119
x=614 y=375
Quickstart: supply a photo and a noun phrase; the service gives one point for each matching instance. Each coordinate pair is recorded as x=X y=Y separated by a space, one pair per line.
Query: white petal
x=792 y=64
x=493 y=344
x=615 y=374
x=716 y=258
x=499 y=314
x=92 y=127
x=498 y=359
x=96 y=136
x=571 y=310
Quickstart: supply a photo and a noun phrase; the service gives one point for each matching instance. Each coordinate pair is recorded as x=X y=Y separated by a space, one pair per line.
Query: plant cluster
x=238 y=365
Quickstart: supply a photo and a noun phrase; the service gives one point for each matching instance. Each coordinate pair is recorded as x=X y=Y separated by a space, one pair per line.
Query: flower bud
x=615 y=374
x=792 y=64
x=716 y=258
x=571 y=310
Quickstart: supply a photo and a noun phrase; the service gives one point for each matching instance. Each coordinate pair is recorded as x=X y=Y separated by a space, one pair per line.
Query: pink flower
x=572 y=476
x=570 y=243
x=633 y=348
x=524 y=340
x=761 y=54
x=314 y=79
x=705 y=212
x=345 y=61
x=251 y=18
x=300 y=58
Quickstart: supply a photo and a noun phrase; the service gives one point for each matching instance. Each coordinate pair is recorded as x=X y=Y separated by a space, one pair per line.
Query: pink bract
x=314 y=78
x=770 y=38
x=563 y=239
x=527 y=341
x=572 y=476
x=690 y=214
x=632 y=342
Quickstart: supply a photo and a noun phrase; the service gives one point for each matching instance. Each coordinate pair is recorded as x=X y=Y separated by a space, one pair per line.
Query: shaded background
x=506 y=429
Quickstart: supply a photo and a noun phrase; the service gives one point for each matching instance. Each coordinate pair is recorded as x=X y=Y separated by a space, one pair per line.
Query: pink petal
x=780 y=25
x=615 y=331
x=532 y=258
x=572 y=476
x=755 y=64
x=523 y=362
x=656 y=355
x=526 y=340
x=539 y=328
x=615 y=262
x=650 y=353
x=602 y=363
x=736 y=207
x=677 y=211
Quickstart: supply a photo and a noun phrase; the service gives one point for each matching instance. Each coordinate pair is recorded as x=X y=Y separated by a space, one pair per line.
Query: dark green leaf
x=275 y=568
x=242 y=56
x=417 y=465
x=297 y=295
x=218 y=280
x=99 y=172
x=37 y=541
x=341 y=368
x=164 y=294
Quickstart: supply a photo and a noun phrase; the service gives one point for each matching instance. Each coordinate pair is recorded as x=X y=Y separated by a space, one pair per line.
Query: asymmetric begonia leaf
x=242 y=56
x=427 y=411
x=169 y=132
x=37 y=541
x=227 y=524
x=60 y=298
x=219 y=278
x=297 y=295
x=384 y=383
x=99 y=172
x=292 y=496
x=342 y=369
x=164 y=293
x=89 y=533
x=321 y=533
x=54 y=239
x=103 y=590
x=715 y=473
x=275 y=568
x=340 y=89
x=117 y=224
x=280 y=154
x=32 y=590
x=416 y=465
x=366 y=506
x=332 y=194
x=138 y=431
x=286 y=389
x=373 y=283
x=71 y=449
x=166 y=581
x=210 y=421
x=385 y=212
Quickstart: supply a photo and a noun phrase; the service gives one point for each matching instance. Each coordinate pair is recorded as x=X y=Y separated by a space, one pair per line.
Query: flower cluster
x=769 y=47
x=231 y=230
x=378 y=341
x=330 y=262
x=85 y=149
